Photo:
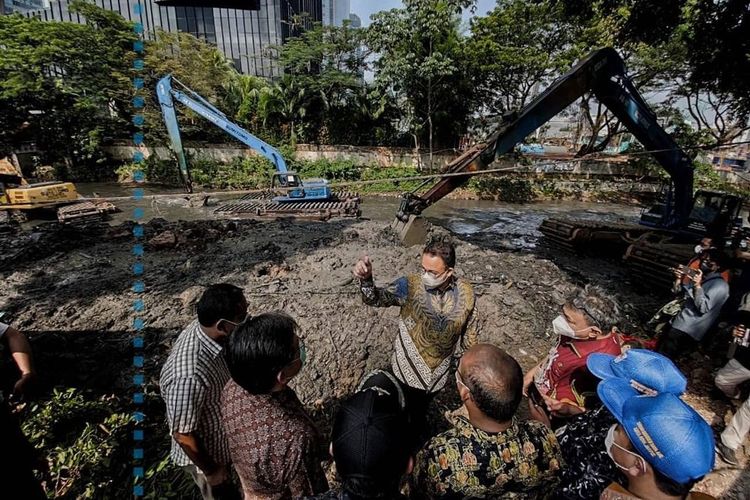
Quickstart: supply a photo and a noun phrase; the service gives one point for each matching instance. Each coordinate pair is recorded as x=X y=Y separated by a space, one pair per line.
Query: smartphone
x=536 y=397
x=688 y=271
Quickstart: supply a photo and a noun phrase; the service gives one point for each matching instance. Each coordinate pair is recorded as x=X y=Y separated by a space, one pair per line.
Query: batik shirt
x=431 y=324
x=466 y=462
x=588 y=468
x=274 y=444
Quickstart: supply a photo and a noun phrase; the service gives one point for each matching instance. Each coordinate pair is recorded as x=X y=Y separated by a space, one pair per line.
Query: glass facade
x=243 y=36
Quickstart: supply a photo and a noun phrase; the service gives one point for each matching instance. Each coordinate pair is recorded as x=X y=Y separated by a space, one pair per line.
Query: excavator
x=311 y=198
x=19 y=197
x=665 y=234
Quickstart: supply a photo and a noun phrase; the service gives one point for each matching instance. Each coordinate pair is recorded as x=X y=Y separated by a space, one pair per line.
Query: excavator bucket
x=413 y=231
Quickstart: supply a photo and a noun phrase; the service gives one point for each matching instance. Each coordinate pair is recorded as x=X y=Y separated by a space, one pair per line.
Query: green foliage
x=516 y=47
x=252 y=172
x=53 y=89
x=375 y=173
x=87 y=444
x=421 y=63
x=502 y=188
x=155 y=170
x=333 y=170
x=198 y=65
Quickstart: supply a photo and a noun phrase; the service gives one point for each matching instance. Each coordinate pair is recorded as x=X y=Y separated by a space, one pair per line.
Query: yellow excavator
x=18 y=196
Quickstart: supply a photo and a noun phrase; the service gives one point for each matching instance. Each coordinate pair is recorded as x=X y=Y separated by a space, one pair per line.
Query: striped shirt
x=432 y=324
x=191 y=383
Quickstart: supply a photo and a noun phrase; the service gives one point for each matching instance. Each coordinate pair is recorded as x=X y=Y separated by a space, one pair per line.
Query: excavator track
x=652 y=257
x=261 y=204
x=575 y=235
x=83 y=212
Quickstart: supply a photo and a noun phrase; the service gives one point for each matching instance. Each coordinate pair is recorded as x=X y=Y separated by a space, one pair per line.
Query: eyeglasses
x=433 y=273
x=461 y=382
x=248 y=317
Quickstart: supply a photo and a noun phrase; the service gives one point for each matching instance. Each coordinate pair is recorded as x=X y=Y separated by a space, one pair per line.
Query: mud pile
x=70 y=290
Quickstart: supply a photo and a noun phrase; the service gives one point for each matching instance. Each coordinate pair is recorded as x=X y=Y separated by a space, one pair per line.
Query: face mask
x=705 y=268
x=562 y=328
x=609 y=442
x=431 y=282
x=698 y=249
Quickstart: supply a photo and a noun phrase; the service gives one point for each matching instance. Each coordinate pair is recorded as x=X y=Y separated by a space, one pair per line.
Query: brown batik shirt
x=273 y=443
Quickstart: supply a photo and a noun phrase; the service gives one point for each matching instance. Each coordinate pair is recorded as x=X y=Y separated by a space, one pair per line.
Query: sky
x=365 y=8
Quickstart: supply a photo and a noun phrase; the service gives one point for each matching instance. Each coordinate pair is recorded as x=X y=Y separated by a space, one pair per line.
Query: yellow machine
x=16 y=194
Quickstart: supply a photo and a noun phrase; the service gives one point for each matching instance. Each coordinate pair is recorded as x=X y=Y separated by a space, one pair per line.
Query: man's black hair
x=259 y=349
x=496 y=384
x=220 y=301
x=717 y=256
x=443 y=249
x=670 y=487
x=371 y=489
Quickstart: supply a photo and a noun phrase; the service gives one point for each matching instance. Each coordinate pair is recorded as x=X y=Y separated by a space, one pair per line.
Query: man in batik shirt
x=437 y=314
x=492 y=454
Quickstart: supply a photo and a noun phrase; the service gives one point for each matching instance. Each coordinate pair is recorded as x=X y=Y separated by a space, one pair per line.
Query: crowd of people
x=604 y=419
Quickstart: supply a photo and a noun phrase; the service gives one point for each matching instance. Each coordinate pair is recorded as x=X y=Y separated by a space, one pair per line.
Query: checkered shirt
x=191 y=383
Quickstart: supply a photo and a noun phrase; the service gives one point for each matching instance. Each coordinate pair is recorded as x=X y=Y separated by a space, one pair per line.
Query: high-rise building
x=22 y=6
x=355 y=20
x=244 y=36
x=335 y=12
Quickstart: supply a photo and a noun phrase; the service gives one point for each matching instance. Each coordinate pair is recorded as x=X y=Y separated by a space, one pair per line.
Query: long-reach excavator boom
x=312 y=189
x=603 y=73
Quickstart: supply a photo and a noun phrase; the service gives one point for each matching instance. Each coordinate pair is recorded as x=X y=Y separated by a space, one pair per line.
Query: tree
x=285 y=104
x=420 y=61
x=194 y=63
x=514 y=51
x=329 y=63
x=692 y=51
x=65 y=86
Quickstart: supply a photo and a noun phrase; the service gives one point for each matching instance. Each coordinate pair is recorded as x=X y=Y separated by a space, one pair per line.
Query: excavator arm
x=167 y=95
x=603 y=73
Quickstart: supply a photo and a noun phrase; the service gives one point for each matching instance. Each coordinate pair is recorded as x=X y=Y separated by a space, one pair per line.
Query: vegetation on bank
x=255 y=172
x=435 y=79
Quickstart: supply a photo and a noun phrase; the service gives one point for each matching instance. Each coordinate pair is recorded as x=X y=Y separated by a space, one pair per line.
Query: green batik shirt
x=431 y=326
x=465 y=462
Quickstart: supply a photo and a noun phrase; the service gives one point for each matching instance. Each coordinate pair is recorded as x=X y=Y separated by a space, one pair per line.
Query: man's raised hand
x=363 y=268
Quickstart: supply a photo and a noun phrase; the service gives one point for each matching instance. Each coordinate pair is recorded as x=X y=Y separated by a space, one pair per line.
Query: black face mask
x=706 y=268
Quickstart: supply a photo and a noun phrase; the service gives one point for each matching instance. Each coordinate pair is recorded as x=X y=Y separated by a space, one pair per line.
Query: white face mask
x=698 y=249
x=562 y=328
x=431 y=282
x=609 y=442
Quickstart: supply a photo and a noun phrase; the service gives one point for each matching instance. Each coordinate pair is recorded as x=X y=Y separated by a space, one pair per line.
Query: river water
x=517 y=224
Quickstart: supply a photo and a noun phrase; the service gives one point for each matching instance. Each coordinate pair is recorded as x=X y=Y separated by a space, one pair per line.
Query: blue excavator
x=665 y=234
x=289 y=195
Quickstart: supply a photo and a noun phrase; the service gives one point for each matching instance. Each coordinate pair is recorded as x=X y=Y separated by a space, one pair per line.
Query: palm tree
x=287 y=102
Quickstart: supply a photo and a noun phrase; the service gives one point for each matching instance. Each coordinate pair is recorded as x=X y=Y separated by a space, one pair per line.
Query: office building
x=244 y=36
x=20 y=6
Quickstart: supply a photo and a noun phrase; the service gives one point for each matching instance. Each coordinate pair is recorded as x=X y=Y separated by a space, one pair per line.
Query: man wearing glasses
x=437 y=314
x=274 y=445
x=191 y=383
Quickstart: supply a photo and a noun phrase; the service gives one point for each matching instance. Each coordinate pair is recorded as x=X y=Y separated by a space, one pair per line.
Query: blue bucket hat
x=663 y=429
x=646 y=371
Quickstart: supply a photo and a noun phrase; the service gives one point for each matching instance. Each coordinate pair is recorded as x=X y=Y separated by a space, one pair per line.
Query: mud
x=70 y=290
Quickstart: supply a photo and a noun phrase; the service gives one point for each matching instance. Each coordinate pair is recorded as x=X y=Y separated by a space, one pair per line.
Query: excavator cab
x=311 y=190
x=714 y=214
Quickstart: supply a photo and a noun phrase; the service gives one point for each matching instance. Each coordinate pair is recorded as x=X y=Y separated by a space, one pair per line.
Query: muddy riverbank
x=70 y=290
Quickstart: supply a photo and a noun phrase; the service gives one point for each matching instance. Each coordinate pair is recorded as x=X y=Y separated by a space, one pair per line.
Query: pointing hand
x=363 y=268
